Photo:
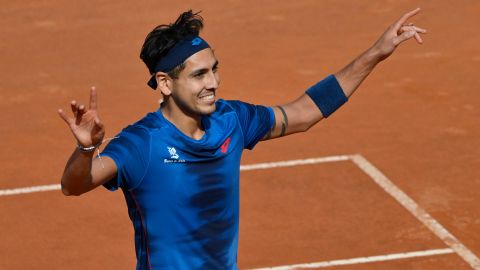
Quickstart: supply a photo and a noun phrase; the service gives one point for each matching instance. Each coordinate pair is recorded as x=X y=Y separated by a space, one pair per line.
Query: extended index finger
x=93 y=98
x=405 y=17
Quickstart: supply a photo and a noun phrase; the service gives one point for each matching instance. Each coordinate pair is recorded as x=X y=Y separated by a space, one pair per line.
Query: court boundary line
x=360 y=260
x=256 y=166
x=369 y=169
x=417 y=211
x=32 y=189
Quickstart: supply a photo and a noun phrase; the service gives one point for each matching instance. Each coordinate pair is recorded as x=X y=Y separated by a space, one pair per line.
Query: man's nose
x=212 y=80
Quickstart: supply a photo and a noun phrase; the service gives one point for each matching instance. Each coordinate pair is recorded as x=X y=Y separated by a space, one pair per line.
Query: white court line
x=290 y=163
x=416 y=210
x=16 y=191
x=380 y=258
x=258 y=166
x=376 y=175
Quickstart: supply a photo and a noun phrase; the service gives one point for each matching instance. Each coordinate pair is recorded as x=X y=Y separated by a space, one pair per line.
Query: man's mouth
x=208 y=97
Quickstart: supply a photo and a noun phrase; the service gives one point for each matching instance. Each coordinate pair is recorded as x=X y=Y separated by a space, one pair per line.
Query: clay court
x=390 y=181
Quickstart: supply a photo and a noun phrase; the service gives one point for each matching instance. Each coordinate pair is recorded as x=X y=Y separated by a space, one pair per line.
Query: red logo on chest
x=225 y=145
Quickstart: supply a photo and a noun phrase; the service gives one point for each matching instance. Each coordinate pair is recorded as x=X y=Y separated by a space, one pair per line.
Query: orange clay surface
x=415 y=118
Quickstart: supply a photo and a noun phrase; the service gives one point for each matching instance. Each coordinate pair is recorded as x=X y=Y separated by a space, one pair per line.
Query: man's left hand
x=397 y=33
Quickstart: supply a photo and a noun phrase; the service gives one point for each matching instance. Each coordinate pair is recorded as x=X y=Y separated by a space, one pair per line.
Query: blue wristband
x=327 y=95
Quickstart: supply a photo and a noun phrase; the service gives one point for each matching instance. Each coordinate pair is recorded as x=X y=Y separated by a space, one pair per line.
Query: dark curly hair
x=163 y=37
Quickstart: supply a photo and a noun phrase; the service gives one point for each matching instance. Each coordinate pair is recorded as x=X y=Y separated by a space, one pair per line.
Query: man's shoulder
x=227 y=106
x=149 y=122
x=223 y=106
x=143 y=127
x=239 y=107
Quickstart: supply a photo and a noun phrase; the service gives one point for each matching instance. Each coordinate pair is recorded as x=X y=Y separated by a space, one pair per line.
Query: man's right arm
x=85 y=172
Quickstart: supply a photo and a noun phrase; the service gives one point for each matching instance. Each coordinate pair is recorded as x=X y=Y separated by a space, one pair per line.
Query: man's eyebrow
x=203 y=70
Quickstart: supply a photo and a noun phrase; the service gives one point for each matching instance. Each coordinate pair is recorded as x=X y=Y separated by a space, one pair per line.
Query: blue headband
x=177 y=55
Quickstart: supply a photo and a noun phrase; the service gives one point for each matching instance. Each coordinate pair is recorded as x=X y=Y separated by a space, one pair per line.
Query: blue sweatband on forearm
x=327 y=95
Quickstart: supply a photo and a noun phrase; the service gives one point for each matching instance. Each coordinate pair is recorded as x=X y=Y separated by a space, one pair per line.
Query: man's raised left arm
x=324 y=98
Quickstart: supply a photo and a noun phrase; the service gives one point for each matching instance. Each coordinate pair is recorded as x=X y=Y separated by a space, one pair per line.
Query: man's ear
x=164 y=83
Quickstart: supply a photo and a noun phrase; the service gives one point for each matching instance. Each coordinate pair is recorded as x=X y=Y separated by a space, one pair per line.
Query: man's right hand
x=85 y=123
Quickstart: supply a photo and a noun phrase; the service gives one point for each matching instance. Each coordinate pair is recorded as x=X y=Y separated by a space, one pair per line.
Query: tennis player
x=179 y=166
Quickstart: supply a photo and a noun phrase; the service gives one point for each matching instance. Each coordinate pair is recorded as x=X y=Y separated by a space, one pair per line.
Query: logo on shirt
x=174 y=157
x=196 y=41
x=173 y=152
x=225 y=145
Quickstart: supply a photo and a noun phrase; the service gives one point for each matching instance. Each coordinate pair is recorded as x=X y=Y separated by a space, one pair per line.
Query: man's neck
x=190 y=125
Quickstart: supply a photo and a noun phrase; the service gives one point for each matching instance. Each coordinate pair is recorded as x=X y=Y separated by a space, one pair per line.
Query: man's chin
x=211 y=109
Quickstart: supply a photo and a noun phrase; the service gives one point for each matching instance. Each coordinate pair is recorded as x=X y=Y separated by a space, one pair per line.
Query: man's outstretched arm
x=301 y=114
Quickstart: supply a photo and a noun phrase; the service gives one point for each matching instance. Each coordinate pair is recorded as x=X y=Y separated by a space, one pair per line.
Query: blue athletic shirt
x=183 y=194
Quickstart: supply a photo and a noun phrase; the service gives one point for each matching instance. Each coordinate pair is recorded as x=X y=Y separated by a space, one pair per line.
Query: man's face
x=194 y=90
